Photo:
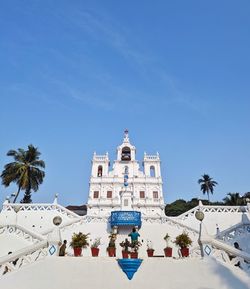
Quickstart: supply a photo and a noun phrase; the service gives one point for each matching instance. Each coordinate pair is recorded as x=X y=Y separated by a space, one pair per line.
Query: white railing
x=23 y=257
x=100 y=157
x=211 y=209
x=39 y=207
x=85 y=220
x=233 y=232
x=21 y=232
x=76 y=222
x=224 y=252
x=151 y=157
x=170 y=221
x=228 y=254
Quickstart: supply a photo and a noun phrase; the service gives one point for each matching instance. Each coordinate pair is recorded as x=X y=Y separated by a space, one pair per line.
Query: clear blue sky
x=74 y=74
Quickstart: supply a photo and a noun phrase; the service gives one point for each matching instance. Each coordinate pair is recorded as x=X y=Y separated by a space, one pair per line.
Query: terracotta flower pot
x=168 y=252
x=150 y=252
x=125 y=254
x=111 y=252
x=185 y=252
x=133 y=255
x=77 y=251
x=95 y=252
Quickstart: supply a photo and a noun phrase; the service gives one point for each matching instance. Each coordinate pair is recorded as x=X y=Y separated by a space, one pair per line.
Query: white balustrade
x=210 y=209
x=228 y=254
x=236 y=231
x=170 y=221
x=21 y=232
x=39 y=207
x=23 y=257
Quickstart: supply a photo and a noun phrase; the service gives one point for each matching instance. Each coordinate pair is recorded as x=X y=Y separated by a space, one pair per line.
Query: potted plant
x=167 y=250
x=183 y=241
x=79 y=241
x=94 y=247
x=150 y=249
x=135 y=247
x=111 y=246
x=125 y=245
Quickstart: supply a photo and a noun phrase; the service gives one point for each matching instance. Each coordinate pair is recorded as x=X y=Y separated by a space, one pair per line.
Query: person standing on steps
x=63 y=248
x=134 y=235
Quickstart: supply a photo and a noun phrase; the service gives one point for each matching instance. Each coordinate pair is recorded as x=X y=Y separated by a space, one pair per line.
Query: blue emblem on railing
x=129 y=266
x=125 y=218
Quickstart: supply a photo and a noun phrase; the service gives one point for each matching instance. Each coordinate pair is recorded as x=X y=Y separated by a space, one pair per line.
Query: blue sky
x=75 y=74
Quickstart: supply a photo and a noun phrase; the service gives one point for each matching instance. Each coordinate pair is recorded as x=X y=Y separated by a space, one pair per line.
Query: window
x=99 y=171
x=109 y=194
x=142 y=195
x=96 y=194
x=126 y=154
x=125 y=202
x=126 y=170
x=152 y=171
x=155 y=195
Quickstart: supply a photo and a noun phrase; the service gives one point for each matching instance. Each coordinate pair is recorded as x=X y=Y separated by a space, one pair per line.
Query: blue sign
x=125 y=218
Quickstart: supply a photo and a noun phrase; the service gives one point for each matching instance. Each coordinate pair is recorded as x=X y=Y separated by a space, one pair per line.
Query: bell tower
x=126 y=151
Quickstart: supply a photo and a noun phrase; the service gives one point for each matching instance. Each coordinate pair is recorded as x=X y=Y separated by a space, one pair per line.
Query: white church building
x=127 y=186
x=125 y=195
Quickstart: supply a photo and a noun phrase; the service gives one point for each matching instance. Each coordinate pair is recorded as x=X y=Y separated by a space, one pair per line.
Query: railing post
x=54 y=238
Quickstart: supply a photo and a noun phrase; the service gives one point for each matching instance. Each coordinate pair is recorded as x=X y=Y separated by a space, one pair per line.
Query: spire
x=126 y=137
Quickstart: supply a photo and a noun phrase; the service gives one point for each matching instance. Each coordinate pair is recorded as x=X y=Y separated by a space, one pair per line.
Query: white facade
x=126 y=186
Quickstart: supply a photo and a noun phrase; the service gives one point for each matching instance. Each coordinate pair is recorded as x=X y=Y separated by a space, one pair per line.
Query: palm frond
x=25 y=170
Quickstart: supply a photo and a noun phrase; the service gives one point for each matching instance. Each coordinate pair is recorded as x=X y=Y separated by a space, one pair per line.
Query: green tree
x=247 y=195
x=25 y=171
x=207 y=185
x=180 y=206
x=176 y=208
x=233 y=199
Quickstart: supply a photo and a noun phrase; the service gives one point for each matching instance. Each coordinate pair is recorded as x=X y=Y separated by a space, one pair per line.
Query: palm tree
x=233 y=199
x=24 y=171
x=207 y=185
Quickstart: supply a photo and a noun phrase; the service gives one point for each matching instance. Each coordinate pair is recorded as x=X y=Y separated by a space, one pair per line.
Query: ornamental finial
x=126 y=138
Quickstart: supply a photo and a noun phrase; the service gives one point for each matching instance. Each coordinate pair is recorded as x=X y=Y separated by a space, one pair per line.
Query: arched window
x=126 y=170
x=99 y=171
x=152 y=171
x=126 y=154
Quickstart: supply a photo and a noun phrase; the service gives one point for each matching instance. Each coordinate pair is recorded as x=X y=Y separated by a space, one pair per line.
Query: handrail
x=231 y=229
x=58 y=207
x=172 y=220
x=22 y=257
x=24 y=251
x=227 y=248
x=35 y=235
x=182 y=225
x=75 y=221
x=206 y=207
x=68 y=211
